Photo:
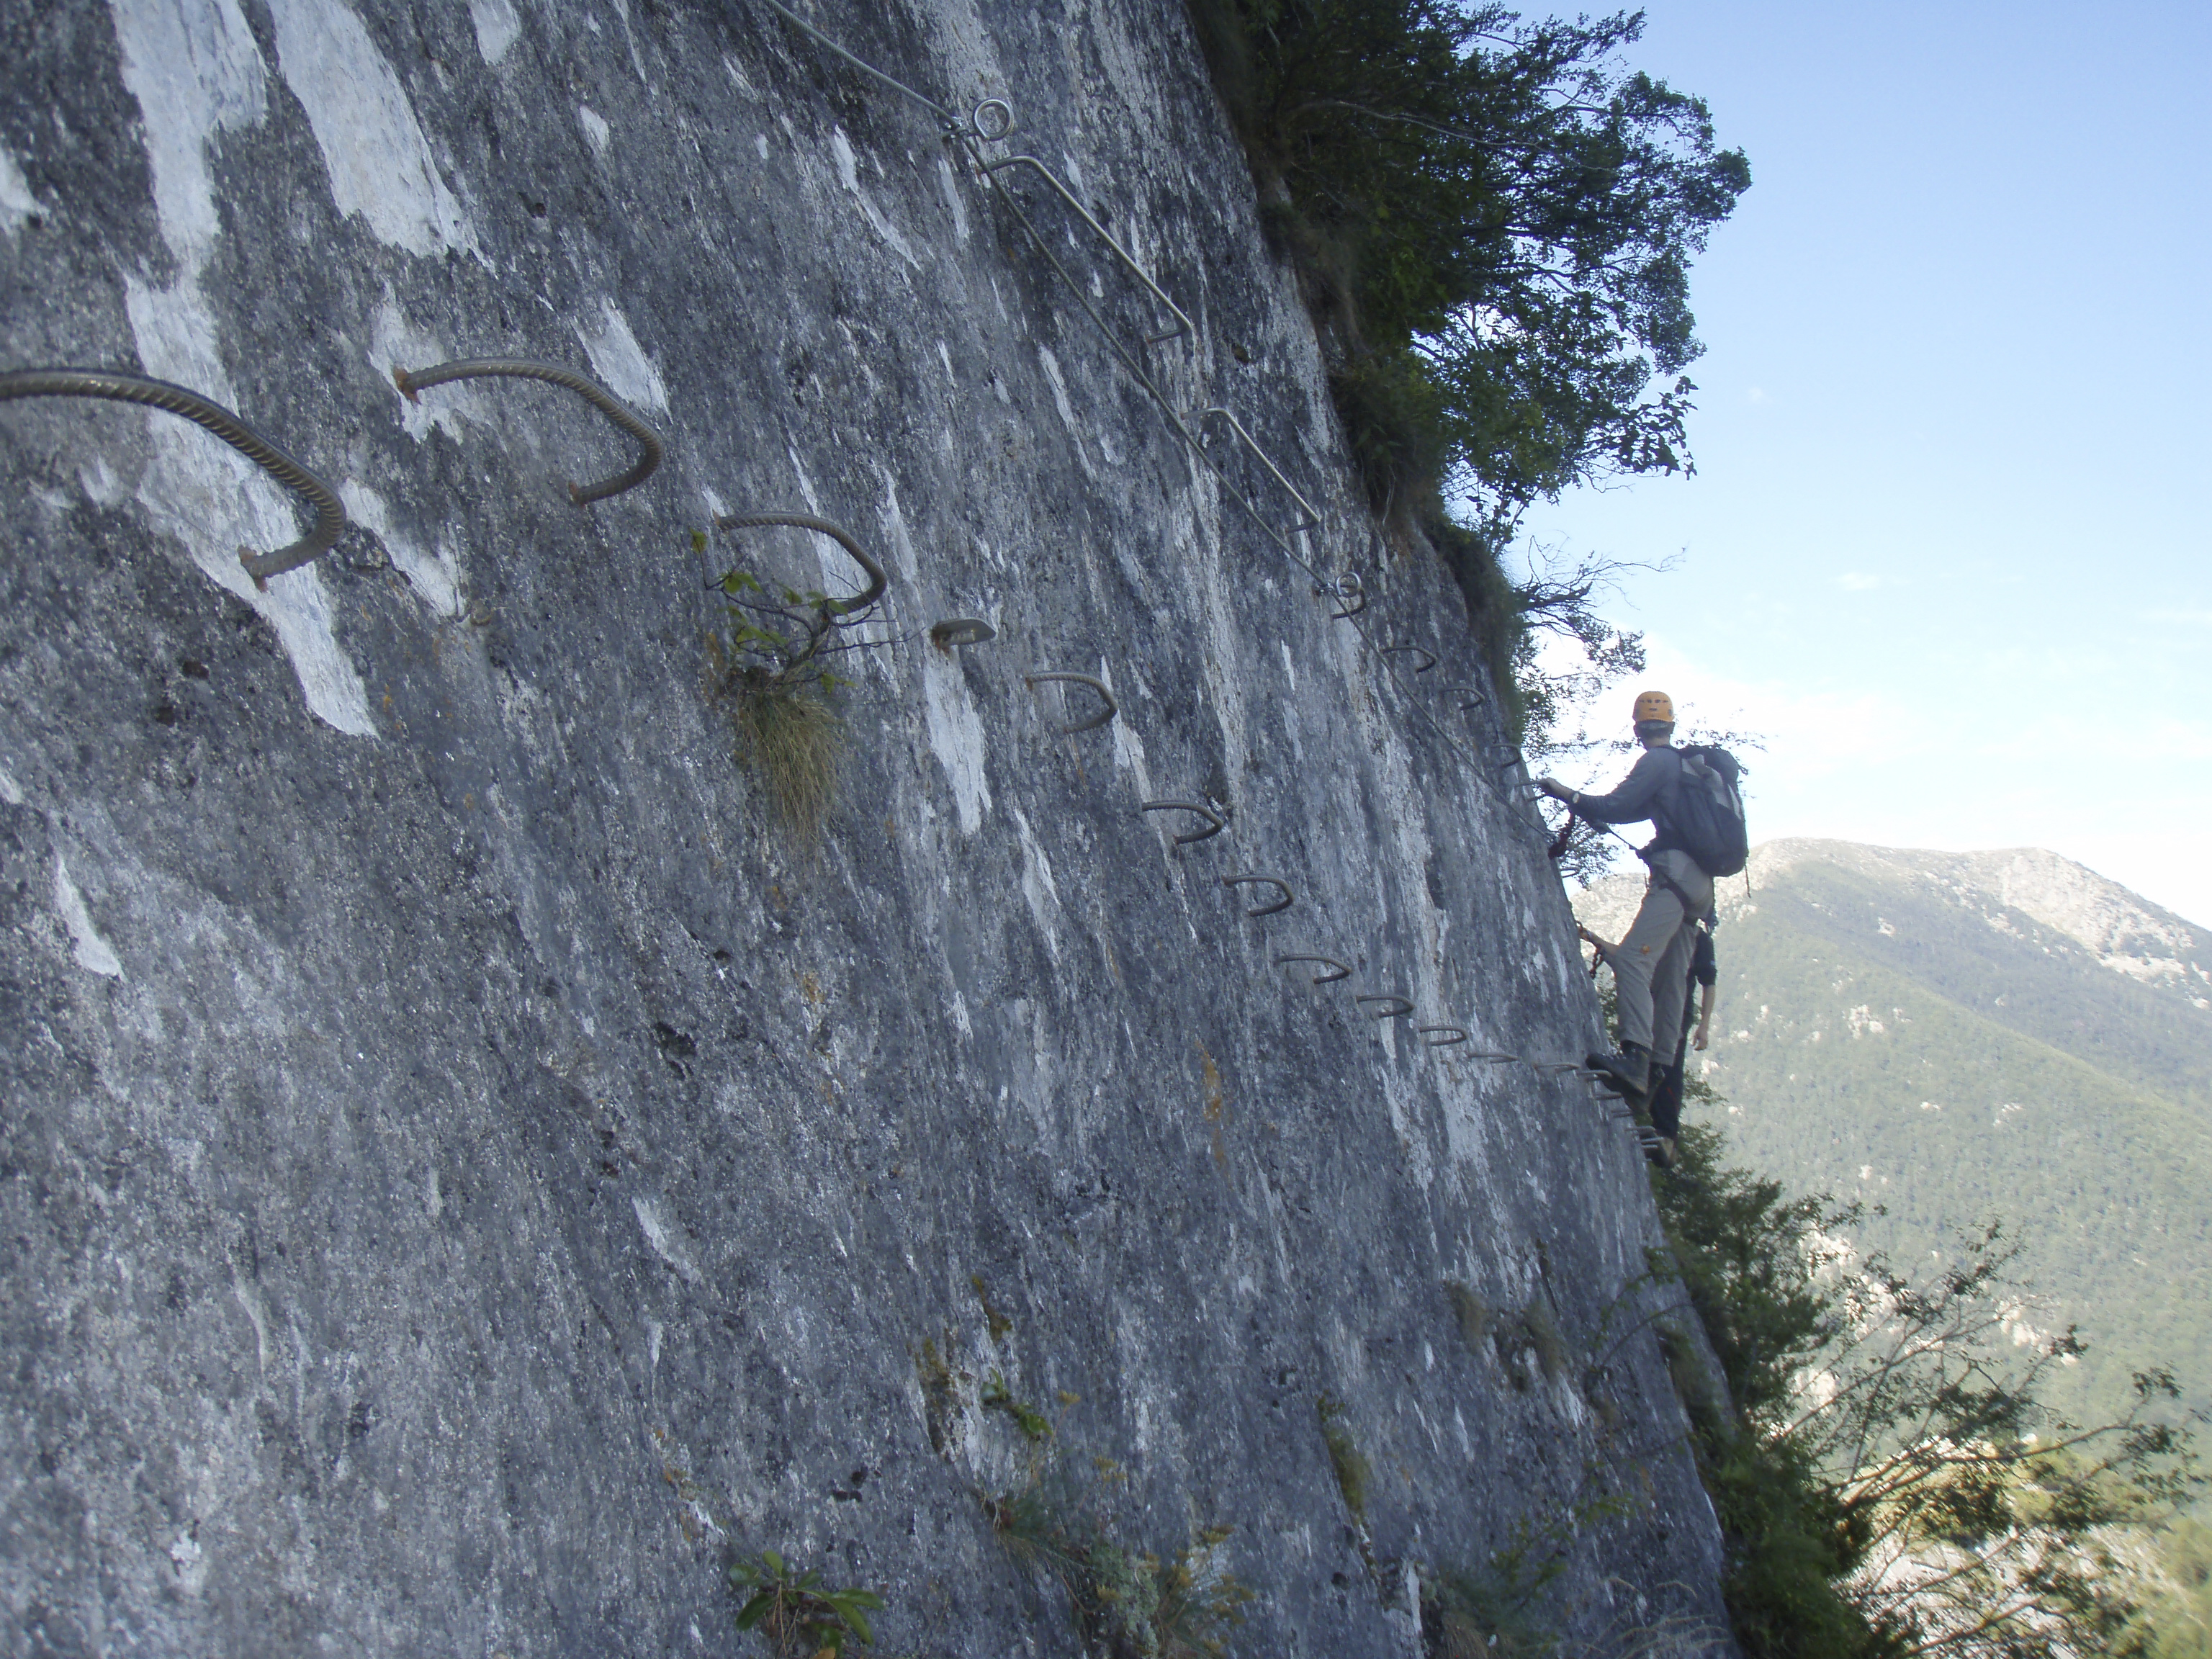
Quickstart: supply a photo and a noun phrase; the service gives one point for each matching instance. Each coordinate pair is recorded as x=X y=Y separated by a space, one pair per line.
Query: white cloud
x=1859 y=581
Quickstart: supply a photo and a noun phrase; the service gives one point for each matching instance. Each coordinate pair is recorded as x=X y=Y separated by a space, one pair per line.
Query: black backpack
x=1706 y=814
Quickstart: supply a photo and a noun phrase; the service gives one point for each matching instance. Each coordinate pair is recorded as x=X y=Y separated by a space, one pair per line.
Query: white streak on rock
x=951 y=186
x=195 y=71
x=621 y=363
x=435 y=576
x=214 y=500
x=1038 y=889
x=92 y=952
x=841 y=150
x=16 y=202
x=10 y=791
x=1066 y=408
x=497 y=27
x=595 y=128
x=662 y=1237
x=380 y=164
x=955 y=735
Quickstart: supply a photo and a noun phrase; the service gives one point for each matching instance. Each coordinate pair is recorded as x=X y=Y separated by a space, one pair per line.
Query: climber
x=1650 y=965
x=1666 y=1094
x=1666 y=1112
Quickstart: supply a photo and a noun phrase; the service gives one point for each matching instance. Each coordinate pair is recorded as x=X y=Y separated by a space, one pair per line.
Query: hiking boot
x=1660 y=1149
x=1629 y=1070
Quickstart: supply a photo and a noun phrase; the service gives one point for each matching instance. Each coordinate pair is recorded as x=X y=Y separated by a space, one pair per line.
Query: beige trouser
x=1652 y=966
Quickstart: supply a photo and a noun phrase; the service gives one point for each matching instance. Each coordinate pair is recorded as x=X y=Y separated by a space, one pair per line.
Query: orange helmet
x=1654 y=706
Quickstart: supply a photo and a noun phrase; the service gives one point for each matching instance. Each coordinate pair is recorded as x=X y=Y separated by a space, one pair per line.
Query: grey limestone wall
x=466 y=1170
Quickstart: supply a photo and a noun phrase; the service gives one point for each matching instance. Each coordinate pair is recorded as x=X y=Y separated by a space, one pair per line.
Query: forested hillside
x=1952 y=1036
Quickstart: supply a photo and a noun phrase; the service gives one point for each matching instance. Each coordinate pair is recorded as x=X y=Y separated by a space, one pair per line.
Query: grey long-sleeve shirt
x=1645 y=793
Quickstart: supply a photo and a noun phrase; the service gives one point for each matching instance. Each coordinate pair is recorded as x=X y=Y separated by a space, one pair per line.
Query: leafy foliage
x=1893 y=1481
x=1495 y=210
x=996 y=1396
x=1493 y=222
x=799 y=1617
x=1128 y=1601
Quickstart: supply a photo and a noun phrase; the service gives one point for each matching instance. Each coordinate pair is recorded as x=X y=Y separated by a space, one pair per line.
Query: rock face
x=467 y=1167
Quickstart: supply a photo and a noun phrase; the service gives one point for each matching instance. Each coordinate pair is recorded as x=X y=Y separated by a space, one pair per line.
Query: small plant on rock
x=771 y=670
x=800 y=1618
x=1346 y=1460
x=1128 y=1602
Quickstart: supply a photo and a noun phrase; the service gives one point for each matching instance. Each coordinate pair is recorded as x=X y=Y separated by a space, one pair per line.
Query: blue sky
x=1950 y=545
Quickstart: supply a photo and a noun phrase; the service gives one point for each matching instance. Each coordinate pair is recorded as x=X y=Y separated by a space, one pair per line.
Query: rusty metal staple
x=1288 y=899
x=1215 y=824
x=1342 y=972
x=838 y=608
x=1404 y=1008
x=1096 y=721
x=114 y=385
x=414 y=382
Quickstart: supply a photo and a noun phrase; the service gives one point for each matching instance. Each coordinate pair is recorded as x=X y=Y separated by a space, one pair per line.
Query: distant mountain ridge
x=1954 y=1034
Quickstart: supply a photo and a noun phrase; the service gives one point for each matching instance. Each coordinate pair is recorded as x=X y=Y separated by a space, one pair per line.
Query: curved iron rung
x=1312 y=512
x=961 y=630
x=116 y=386
x=414 y=382
x=1183 y=323
x=1288 y=899
x=1096 y=721
x=1458 y=1035
x=877 y=581
x=1500 y=1058
x=1474 y=698
x=1553 y=1066
x=1431 y=656
x=1404 y=1008
x=1342 y=972
x=1215 y=824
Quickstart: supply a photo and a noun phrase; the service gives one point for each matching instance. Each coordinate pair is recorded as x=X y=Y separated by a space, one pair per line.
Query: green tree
x=1496 y=221
x=1892 y=1478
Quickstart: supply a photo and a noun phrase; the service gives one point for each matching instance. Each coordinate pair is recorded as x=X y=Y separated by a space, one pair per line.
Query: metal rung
x=1288 y=899
x=116 y=387
x=1342 y=972
x=1456 y=1034
x=1429 y=657
x=414 y=382
x=838 y=608
x=1215 y=824
x=961 y=630
x=1405 y=1006
x=1099 y=686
